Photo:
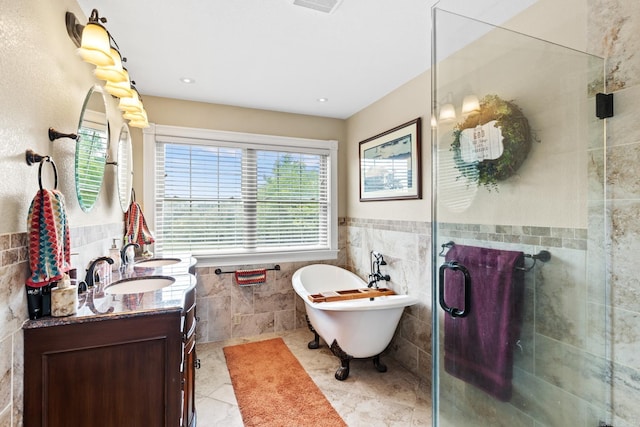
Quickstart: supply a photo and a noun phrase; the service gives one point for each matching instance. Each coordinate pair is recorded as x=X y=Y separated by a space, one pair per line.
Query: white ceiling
x=274 y=55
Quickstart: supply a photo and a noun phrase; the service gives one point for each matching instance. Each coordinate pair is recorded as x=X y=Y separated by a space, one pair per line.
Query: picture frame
x=390 y=166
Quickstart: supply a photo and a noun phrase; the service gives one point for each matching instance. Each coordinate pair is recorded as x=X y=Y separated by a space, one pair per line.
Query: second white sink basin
x=136 y=285
x=156 y=262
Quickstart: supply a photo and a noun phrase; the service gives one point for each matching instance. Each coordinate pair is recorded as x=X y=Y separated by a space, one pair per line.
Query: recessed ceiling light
x=323 y=99
x=187 y=80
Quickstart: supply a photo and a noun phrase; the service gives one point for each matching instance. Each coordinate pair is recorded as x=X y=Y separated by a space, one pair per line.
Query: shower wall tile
x=623 y=181
x=626 y=339
x=586 y=376
x=599 y=329
x=625 y=245
x=489 y=411
x=626 y=395
x=622 y=128
x=524 y=350
x=598 y=250
x=405 y=246
x=560 y=294
x=558 y=325
x=548 y=404
x=595 y=174
x=613 y=25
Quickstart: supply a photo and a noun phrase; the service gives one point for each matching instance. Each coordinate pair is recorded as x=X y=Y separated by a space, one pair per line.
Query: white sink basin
x=156 y=262
x=136 y=285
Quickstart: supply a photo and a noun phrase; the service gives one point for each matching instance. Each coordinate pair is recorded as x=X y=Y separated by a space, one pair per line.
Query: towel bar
x=219 y=271
x=542 y=256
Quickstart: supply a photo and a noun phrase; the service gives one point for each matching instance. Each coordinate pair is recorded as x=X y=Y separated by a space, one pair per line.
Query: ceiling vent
x=326 y=6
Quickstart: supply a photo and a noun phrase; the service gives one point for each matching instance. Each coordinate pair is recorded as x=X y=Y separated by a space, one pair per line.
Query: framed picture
x=390 y=164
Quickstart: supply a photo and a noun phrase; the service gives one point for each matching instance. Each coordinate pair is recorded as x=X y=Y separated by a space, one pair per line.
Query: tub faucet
x=376 y=261
x=91 y=273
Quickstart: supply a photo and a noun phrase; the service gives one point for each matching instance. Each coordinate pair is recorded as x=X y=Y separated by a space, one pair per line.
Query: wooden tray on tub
x=346 y=294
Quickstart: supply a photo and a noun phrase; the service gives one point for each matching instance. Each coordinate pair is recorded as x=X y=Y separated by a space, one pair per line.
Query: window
x=232 y=198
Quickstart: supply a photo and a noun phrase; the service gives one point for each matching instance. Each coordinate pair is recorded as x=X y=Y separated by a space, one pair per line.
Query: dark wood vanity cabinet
x=189 y=360
x=110 y=372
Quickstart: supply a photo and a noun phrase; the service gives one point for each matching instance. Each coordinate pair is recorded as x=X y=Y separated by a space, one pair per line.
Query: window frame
x=163 y=133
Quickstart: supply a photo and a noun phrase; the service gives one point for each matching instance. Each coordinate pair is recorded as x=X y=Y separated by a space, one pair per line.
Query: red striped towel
x=251 y=277
x=137 y=230
x=49 y=242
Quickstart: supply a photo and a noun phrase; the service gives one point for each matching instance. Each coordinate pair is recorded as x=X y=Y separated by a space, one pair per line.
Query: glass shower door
x=519 y=288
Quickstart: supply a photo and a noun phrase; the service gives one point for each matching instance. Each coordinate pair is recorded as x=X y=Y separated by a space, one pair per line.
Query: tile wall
x=614 y=33
x=228 y=311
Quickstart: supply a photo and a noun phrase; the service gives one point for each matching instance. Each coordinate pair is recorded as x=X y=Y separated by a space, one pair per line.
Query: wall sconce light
x=131 y=103
x=470 y=105
x=120 y=89
x=93 y=40
x=447 y=113
x=447 y=110
x=94 y=46
x=112 y=73
x=139 y=120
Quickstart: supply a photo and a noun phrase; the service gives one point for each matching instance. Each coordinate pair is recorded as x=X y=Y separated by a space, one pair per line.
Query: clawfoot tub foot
x=380 y=367
x=343 y=371
x=316 y=340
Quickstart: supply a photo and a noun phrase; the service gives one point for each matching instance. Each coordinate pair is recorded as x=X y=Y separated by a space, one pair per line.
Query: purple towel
x=479 y=347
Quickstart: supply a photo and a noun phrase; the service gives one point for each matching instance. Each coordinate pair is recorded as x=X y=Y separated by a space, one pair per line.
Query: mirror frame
x=89 y=157
x=124 y=176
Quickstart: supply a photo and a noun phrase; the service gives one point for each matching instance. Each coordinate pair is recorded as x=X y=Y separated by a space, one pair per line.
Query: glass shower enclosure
x=519 y=287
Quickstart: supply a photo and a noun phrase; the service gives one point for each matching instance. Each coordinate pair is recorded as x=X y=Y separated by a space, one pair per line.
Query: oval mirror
x=125 y=167
x=91 y=148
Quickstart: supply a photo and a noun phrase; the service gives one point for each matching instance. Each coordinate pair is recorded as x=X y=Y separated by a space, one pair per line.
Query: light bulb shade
x=140 y=121
x=470 y=104
x=95 y=47
x=447 y=113
x=131 y=103
x=112 y=73
x=120 y=89
x=134 y=115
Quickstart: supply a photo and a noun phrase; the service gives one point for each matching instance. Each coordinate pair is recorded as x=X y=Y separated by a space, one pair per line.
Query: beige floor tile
x=366 y=398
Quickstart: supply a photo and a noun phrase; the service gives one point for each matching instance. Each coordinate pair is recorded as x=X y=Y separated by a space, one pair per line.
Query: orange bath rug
x=273 y=389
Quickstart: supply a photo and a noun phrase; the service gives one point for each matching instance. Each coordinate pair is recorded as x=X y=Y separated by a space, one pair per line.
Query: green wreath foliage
x=516 y=140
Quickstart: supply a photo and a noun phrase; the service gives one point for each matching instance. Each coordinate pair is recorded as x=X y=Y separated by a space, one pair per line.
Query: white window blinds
x=217 y=198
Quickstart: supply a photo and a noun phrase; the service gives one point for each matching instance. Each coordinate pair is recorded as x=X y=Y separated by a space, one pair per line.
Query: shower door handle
x=454 y=311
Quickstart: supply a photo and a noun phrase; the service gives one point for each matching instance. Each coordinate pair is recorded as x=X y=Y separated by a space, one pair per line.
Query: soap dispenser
x=114 y=254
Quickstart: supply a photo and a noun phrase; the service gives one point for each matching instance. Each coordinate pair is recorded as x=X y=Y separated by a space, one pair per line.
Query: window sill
x=264 y=258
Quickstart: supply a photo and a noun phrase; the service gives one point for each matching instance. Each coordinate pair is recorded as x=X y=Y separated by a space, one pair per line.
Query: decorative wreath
x=516 y=141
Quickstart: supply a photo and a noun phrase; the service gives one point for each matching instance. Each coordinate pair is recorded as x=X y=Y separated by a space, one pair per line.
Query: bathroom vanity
x=123 y=359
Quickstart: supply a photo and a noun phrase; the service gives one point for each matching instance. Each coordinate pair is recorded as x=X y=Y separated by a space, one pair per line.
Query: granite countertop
x=96 y=304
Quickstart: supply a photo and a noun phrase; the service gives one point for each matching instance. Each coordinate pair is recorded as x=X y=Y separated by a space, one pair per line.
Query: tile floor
x=366 y=398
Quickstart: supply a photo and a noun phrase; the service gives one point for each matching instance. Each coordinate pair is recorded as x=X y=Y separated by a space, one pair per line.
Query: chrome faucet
x=376 y=261
x=123 y=254
x=91 y=273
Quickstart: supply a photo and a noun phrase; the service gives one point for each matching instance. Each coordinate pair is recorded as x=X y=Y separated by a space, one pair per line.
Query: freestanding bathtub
x=355 y=328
